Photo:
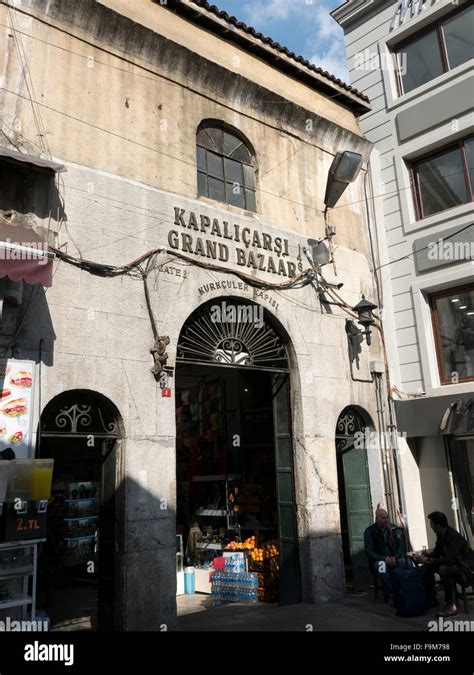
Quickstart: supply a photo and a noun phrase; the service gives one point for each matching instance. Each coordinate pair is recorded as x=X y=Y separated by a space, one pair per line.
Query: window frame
x=432 y=298
x=415 y=178
x=217 y=124
x=441 y=41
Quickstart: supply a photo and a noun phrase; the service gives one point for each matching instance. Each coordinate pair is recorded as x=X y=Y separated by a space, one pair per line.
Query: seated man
x=444 y=560
x=385 y=550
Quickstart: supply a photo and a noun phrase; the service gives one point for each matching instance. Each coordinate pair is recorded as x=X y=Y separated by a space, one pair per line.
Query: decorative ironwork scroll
x=74 y=416
x=78 y=412
x=241 y=341
x=350 y=423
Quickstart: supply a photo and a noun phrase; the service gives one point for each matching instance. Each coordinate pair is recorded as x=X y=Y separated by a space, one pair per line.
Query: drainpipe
x=397 y=456
x=386 y=463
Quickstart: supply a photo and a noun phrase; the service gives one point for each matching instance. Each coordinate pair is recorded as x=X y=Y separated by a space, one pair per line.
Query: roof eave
x=352 y=10
x=277 y=59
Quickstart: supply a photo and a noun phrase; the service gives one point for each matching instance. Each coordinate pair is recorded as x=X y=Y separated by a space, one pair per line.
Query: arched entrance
x=355 y=501
x=234 y=442
x=81 y=430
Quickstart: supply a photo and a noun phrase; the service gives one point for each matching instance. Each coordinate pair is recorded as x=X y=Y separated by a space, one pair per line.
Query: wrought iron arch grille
x=348 y=425
x=241 y=341
x=80 y=415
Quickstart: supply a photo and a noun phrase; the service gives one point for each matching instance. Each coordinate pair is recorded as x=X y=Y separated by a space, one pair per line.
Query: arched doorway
x=355 y=501
x=81 y=430
x=234 y=441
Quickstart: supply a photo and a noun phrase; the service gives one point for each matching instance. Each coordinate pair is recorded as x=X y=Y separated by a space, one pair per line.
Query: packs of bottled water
x=235 y=563
x=231 y=586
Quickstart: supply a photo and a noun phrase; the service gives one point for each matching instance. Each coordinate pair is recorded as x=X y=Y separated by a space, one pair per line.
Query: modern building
x=176 y=163
x=415 y=61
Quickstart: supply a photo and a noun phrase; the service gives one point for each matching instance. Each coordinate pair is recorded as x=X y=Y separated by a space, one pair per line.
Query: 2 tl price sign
x=18 y=527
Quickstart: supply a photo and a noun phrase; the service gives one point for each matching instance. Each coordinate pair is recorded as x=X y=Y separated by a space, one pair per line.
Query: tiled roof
x=274 y=45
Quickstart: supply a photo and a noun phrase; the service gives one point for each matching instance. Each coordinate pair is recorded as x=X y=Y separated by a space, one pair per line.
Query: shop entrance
x=80 y=431
x=355 y=501
x=235 y=483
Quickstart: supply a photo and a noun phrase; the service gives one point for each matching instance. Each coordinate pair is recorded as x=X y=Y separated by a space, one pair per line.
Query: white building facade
x=415 y=62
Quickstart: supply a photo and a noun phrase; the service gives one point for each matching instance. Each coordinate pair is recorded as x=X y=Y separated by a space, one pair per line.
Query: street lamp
x=355 y=336
x=344 y=170
x=365 y=309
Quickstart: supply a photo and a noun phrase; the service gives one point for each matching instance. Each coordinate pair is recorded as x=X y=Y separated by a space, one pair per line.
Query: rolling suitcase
x=409 y=593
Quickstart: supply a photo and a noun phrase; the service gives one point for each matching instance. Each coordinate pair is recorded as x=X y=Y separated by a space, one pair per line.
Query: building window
x=225 y=167
x=441 y=47
x=444 y=179
x=453 y=324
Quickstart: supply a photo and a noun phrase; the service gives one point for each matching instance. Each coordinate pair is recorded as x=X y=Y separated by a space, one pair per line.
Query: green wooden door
x=359 y=511
x=290 y=583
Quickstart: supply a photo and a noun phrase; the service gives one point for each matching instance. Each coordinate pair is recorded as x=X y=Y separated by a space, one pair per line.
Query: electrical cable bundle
x=134 y=269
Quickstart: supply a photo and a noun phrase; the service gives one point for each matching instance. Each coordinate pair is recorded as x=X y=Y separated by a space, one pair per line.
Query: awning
x=436 y=415
x=14 y=156
x=24 y=256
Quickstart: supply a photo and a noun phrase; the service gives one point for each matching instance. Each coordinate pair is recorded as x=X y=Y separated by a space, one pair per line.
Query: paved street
x=355 y=613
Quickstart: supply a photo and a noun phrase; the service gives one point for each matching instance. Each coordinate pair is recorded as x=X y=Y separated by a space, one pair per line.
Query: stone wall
x=120 y=104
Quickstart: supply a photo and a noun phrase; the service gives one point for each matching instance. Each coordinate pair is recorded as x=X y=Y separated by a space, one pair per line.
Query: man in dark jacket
x=384 y=549
x=451 y=553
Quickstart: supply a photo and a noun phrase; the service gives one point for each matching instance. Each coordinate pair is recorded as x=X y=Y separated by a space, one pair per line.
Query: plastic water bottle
x=253 y=588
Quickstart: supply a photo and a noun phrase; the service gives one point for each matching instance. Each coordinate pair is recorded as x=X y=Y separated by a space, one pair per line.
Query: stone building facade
x=121 y=89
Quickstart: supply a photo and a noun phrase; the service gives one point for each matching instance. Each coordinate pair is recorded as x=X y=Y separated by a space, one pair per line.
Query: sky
x=304 y=26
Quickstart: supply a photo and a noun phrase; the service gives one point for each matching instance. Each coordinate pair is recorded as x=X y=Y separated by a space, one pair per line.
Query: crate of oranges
x=247 y=545
x=267 y=551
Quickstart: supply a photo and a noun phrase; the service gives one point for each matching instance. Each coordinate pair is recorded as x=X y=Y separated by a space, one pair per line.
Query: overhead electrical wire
x=140 y=66
x=425 y=248
x=133 y=269
x=192 y=164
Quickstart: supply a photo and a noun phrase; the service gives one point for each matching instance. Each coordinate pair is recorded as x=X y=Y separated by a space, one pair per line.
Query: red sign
x=166 y=392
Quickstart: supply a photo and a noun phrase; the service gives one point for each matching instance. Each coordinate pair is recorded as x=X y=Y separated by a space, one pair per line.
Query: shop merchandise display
x=264 y=561
x=233 y=583
x=259 y=560
x=81 y=522
x=76 y=511
x=15 y=559
x=18 y=563
x=4 y=594
x=25 y=488
x=227 y=501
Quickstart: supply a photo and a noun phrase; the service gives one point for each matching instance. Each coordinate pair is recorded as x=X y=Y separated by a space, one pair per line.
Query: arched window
x=225 y=166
